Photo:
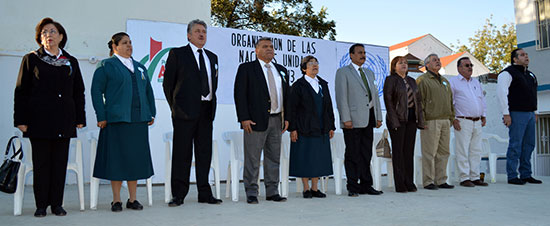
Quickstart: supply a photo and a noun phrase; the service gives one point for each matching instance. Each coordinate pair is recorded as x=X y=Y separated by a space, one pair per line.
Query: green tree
x=490 y=45
x=291 y=17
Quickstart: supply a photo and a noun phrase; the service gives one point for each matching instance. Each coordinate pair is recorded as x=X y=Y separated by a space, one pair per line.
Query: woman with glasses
x=403 y=117
x=311 y=126
x=124 y=104
x=48 y=107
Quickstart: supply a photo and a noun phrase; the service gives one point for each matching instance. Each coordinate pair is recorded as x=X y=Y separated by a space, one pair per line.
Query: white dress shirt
x=313 y=82
x=208 y=72
x=127 y=62
x=51 y=54
x=468 y=98
x=503 y=84
x=278 y=84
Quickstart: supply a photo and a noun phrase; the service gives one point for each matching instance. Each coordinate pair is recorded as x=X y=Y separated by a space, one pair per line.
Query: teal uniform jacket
x=112 y=91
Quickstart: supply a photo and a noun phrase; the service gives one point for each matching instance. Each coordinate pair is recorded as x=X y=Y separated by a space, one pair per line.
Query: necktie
x=410 y=98
x=272 y=89
x=364 y=77
x=205 y=90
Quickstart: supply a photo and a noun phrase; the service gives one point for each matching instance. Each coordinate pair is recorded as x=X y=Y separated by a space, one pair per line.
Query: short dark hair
x=460 y=61
x=394 y=62
x=352 y=48
x=115 y=40
x=60 y=29
x=514 y=54
x=262 y=39
x=303 y=64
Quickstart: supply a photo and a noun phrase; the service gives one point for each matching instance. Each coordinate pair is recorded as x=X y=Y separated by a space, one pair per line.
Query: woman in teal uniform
x=124 y=104
x=311 y=125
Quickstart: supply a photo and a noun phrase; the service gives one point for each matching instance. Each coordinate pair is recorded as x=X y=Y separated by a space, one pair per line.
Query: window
x=543 y=23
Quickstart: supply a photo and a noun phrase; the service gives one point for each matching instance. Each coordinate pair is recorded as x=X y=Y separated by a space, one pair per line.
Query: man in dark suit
x=190 y=83
x=260 y=96
x=359 y=107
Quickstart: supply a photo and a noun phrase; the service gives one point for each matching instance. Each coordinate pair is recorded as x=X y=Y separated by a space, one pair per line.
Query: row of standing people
x=49 y=106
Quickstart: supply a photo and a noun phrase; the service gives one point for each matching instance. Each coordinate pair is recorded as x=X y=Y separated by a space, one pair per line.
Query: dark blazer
x=182 y=83
x=302 y=111
x=49 y=99
x=251 y=94
x=395 y=98
x=113 y=81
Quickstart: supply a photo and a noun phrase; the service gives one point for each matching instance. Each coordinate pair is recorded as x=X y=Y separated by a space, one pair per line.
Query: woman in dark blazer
x=403 y=117
x=311 y=126
x=124 y=104
x=48 y=107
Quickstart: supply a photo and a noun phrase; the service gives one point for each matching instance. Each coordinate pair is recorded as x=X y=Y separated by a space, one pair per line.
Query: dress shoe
x=446 y=186
x=532 y=180
x=276 y=198
x=307 y=194
x=353 y=194
x=516 y=181
x=318 y=194
x=467 y=183
x=479 y=182
x=40 y=212
x=371 y=191
x=211 y=200
x=412 y=188
x=134 y=205
x=175 y=202
x=116 y=207
x=59 y=211
x=252 y=200
x=431 y=187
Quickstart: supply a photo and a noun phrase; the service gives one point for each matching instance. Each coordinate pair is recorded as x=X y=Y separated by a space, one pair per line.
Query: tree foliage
x=291 y=17
x=490 y=45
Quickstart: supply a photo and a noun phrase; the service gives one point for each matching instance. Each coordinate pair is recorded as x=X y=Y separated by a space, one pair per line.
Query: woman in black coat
x=311 y=126
x=403 y=117
x=48 y=107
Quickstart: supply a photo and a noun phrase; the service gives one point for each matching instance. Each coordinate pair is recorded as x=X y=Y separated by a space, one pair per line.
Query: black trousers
x=402 y=142
x=49 y=163
x=358 y=155
x=189 y=133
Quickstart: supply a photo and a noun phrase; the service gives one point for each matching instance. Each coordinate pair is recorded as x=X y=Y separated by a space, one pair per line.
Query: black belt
x=470 y=118
x=275 y=115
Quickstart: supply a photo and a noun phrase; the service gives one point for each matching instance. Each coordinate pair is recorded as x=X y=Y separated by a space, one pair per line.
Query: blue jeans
x=522 y=143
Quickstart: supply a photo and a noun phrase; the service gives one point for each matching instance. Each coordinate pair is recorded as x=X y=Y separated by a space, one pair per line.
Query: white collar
x=195 y=48
x=51 y=54
x=464 y=78
x=310 y=79
x=355 y=66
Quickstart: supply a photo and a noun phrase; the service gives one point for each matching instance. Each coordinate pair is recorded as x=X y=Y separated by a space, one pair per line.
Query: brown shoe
x=467 y=183
x=479 y=183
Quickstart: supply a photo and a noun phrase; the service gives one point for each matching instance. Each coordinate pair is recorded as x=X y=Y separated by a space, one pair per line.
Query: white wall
x=525 y=20
x=427 y=45
x=479 y=68
x=89 y=26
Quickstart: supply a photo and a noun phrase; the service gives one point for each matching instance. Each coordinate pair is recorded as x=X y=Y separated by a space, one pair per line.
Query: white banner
x=152 y=41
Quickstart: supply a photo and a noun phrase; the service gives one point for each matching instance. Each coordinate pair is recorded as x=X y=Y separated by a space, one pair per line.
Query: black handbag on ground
x=10 y=168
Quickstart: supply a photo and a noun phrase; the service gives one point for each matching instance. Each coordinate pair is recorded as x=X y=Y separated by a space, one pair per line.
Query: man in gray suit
x=359 y=107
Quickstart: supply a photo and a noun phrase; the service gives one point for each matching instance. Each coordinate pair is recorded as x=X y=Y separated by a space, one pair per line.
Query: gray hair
x=193 y=23
x=428 y=58
x=262 y=39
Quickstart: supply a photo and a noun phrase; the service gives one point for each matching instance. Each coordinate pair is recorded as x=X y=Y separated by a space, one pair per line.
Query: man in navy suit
x=190 y=83
x=260 y=97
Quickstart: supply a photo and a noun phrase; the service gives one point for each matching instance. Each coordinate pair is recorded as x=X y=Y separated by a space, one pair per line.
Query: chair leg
x=299 y=185
x=79 y=174
x=284 y=177
x=375 y=168
x=235 y=181
x=19 y=191
x=217 y=183
x=338 y=177
x=149 y=184
x=228 y=181
x=167 y=174
x=493 y=167
x=94 y=190
x=389 y=167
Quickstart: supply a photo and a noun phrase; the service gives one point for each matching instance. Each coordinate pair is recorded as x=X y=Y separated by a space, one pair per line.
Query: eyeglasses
x=312 y=63
x=468 y=65
x=45 y=32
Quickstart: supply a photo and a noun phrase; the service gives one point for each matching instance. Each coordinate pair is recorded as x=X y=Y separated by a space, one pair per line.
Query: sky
x=388 y=22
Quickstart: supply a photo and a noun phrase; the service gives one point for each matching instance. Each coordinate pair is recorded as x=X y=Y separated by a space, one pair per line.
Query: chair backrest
x=236 y=141
x=337 y=146
x=486 y=143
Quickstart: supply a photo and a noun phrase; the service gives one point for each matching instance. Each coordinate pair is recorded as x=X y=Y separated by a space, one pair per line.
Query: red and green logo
x=155 y=60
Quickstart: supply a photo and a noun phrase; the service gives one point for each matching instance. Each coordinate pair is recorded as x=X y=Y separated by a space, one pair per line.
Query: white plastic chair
x=376 y=164
x=214 y=165
x=338 y=147
x=26 y=167
x=94 y=182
